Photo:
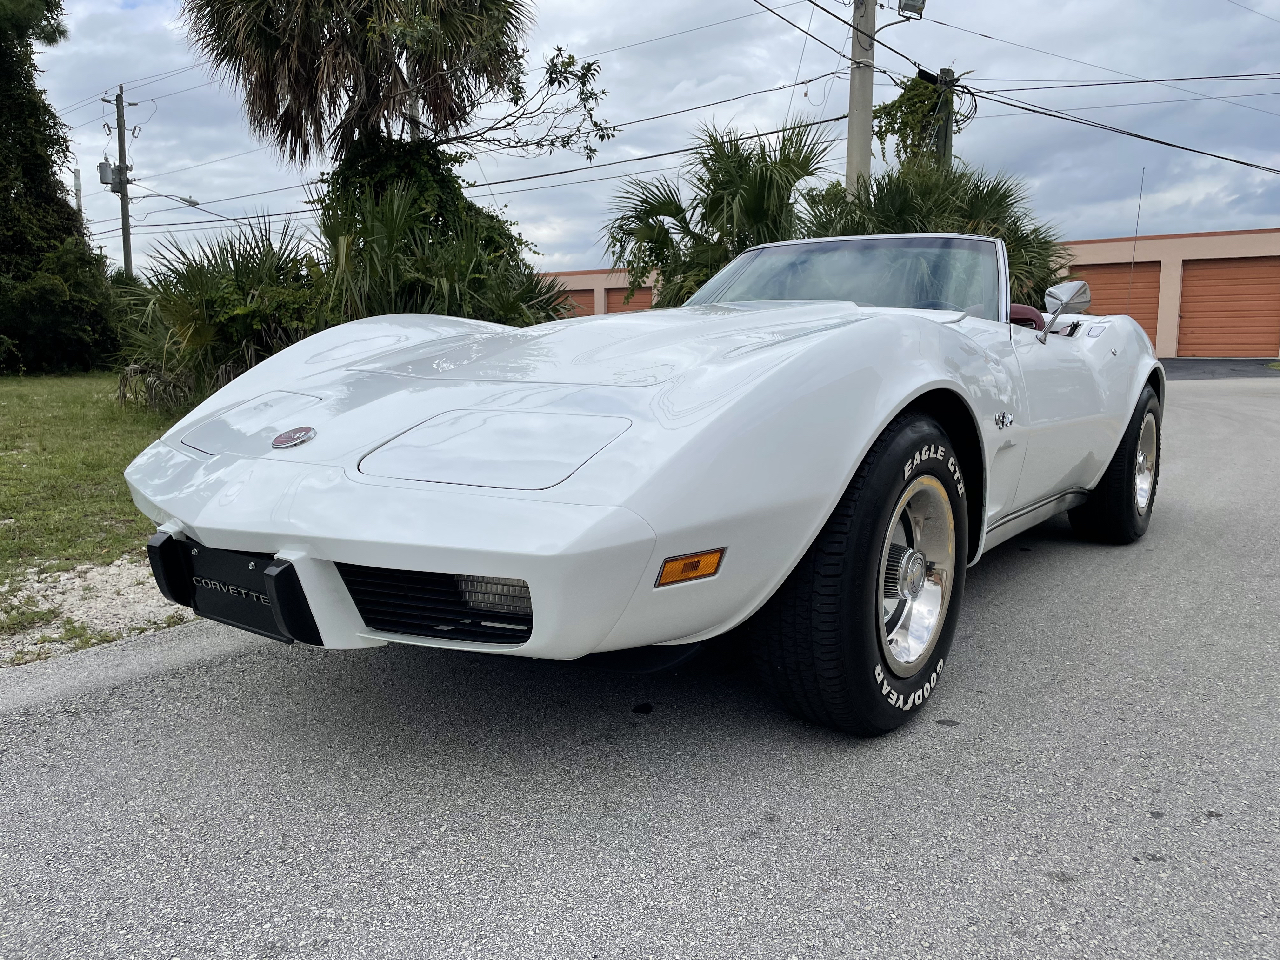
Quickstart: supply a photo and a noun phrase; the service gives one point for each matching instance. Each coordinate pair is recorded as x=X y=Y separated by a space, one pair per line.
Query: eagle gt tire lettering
x=835 y=644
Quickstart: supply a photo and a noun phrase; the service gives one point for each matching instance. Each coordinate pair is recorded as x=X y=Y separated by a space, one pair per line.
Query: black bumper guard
x=174 y=567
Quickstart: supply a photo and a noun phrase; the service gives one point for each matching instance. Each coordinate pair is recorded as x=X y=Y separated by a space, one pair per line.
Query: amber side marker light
x=692 y=566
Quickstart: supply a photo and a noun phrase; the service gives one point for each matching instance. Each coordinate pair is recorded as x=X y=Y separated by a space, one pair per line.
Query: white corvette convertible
x=816 y=446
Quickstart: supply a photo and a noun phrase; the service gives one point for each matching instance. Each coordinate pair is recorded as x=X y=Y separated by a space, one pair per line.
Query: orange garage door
x=584 y=302
x=642 y=299
x=1117 y=288
x=1230 y=308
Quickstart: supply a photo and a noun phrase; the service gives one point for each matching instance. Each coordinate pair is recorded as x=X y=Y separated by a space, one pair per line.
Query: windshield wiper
x=968 y=312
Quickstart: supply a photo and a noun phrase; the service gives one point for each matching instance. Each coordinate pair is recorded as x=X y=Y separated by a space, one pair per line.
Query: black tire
x=1114 y=512
x=817 y=643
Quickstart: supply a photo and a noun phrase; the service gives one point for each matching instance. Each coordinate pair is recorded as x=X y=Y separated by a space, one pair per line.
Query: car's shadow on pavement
x=416 y=698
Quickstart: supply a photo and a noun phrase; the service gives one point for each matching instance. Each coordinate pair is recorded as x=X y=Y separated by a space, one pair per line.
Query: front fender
x=765 y=472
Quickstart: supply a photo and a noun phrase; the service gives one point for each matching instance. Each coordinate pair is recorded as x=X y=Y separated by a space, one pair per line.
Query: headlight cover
x=495 y=448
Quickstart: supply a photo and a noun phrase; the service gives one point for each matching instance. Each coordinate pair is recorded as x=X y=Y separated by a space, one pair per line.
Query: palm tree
x=740 y=190
x=320 y=74
x=925 y=197
x=743 y=191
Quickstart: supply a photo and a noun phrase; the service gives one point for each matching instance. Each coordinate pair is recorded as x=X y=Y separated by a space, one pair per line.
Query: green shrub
x=55 y=318
x=203 y=314
x=387 y=255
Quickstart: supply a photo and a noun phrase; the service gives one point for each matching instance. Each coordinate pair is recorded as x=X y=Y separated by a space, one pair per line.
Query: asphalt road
x=1099 y=776
x=1214 y=368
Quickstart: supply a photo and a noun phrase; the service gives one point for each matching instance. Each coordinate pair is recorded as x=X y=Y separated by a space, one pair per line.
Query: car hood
x=639 y=349
x=365 y=383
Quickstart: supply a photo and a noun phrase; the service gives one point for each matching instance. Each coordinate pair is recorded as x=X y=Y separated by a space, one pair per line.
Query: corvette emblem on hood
x=293 y=438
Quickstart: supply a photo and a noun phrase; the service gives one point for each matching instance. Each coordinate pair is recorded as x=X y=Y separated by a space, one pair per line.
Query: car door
x=1064 y=416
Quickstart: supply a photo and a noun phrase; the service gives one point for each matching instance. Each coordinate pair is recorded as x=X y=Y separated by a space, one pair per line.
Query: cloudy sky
x=667 y=55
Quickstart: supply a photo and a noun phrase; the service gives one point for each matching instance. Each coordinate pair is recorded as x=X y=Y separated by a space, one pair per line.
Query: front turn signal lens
x=692 y=566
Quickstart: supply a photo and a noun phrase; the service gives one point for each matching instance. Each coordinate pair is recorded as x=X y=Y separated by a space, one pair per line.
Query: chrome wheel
x=917 y=569
x=1144 y=465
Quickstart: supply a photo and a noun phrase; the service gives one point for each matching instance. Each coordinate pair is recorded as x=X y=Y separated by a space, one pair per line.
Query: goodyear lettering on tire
x=911 y=700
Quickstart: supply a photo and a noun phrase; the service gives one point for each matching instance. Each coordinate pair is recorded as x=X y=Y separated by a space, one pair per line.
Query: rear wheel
x=1119 y=508
x=857 y=636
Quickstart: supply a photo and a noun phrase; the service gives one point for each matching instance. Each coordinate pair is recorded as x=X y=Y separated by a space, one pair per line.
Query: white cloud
x=1084 y=180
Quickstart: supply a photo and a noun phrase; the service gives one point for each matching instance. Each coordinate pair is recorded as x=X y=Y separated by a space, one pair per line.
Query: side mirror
x=1070 y=297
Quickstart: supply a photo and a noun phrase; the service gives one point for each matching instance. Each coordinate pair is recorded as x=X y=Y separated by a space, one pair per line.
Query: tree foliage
x=379 y=164
x=54 y=297
x=915 y=118
x=739 y=192
x=736 y=191
x=923 y=197
x=319 y=75
x=385 y=255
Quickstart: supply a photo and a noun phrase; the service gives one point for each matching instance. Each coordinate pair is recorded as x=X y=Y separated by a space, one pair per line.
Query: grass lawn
x=64 y=444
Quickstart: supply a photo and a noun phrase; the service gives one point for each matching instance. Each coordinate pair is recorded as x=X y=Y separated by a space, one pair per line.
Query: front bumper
x=582 y=563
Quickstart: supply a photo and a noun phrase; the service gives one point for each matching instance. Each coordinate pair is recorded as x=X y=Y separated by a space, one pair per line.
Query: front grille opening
x=442 y=606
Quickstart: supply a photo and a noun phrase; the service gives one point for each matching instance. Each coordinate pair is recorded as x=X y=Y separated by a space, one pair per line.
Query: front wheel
x=1119 y=507
x=857 y=636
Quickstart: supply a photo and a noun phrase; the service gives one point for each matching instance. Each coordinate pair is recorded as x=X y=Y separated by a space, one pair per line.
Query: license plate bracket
x=230 y=587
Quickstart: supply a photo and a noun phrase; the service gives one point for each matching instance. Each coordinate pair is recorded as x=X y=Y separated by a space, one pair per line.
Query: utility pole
x=862 y=74
x=75 y=175
x=118 y=177
x=122 y=164
x=946 y=115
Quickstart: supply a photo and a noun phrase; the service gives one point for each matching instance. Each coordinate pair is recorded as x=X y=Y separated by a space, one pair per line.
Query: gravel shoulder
x=46 y=614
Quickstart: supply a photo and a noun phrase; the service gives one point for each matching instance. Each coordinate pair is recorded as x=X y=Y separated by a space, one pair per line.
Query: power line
x=157 y=176
x=1257 y=75
x=174 y=93
x=573 y=183
x=201 y=229
x=102 y=116
x=1070 y=84
x=741 y=96
x=242 y=196
x=1136 y=103
x=502 y=193
x=799 y=64
x=188 y=223
x=1251 y=10
x=620 y=176
x=1094 y=66
x=681 y=33
x=867 y=36
x=1066 y=85
x=1083 y=121
x=149 y=100
x=153 y=78
x=652 y=156
x=797 y=26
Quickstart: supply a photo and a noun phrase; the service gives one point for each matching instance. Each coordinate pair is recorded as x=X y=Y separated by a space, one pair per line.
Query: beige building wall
x=1171 y=251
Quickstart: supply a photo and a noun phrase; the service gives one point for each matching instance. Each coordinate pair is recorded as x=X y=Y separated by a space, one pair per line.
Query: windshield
x=925 y=273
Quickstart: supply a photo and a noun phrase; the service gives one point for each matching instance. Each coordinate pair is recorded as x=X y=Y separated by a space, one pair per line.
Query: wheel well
x=1156 y=382
x=955 y=417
